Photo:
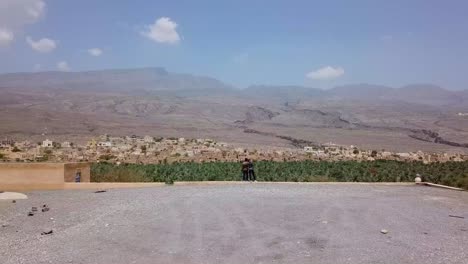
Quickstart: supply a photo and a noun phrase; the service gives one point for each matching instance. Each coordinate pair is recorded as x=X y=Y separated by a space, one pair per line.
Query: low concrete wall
x=111 y=185
x=31 y=173
x=40 y=176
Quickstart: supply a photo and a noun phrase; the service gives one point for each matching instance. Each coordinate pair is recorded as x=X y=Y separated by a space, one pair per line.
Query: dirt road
x=257 y=223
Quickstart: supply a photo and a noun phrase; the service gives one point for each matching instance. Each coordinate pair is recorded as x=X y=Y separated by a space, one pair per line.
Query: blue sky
x=312 y=43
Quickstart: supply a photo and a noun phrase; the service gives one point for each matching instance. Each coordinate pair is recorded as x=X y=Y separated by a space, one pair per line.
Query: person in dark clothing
x=251 y=171
x=245 y=170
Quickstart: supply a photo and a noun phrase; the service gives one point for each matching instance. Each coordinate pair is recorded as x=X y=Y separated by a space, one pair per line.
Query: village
x=157 y=150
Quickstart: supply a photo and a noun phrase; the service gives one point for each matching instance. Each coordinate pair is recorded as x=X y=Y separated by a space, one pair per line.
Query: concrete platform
x=119 y=185
x=239 y=223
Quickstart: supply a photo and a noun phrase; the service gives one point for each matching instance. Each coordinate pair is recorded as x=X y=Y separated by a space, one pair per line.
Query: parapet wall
x=37 y=176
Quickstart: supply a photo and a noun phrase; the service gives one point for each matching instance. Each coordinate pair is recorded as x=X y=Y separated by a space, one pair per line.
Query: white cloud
x=43 y=45
x=63 y=66
x=162 y=31
x=6 y=37
x=241 y=58
x=15 y=14
x=95 y=52
x=35 y=8
x=326 y=73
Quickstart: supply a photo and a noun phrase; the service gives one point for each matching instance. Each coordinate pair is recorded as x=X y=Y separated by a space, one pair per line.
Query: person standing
x=252 y=171
x=245 y=170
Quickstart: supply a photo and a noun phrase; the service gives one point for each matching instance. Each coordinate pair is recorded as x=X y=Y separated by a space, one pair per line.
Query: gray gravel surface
x=256 y=223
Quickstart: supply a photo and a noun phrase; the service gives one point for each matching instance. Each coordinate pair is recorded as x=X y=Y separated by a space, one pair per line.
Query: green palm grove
x=449 y=173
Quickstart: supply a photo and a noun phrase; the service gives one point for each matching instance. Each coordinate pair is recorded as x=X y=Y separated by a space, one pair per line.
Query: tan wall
x=30 y=173
x=72 y=168
x=37 y=176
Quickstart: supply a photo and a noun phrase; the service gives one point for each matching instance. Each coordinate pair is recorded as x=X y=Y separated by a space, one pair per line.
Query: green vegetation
x=449 y=173
x=143 y=149
x=15 y=149
x=107 y=157
x=42 y=158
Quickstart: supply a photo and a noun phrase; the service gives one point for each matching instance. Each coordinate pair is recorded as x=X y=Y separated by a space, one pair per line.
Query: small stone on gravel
x=47 y=232
x=384 y=231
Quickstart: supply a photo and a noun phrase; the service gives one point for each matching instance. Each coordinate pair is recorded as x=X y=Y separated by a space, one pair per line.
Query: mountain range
x=153 y=100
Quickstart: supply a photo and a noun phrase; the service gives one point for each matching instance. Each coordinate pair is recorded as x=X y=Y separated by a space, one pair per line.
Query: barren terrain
x=78 y=106
x=253 y=223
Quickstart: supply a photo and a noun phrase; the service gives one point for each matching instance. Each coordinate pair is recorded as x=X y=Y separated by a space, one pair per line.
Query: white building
x=106 y=144
x=404 y=155
x=47 y=143
x=148 y=139
x=309 y=149
x=319 y=153
x=66 y=144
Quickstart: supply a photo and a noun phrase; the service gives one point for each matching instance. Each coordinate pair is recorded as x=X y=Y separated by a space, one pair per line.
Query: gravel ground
x=256 y=223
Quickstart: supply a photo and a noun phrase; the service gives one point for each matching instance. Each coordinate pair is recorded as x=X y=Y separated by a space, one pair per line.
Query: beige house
x=105 y=144
x=148 y=139
x=47 y=143
x=66 y=144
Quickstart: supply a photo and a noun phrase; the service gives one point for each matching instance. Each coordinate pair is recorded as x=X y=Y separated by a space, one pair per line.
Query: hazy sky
x=313 y=43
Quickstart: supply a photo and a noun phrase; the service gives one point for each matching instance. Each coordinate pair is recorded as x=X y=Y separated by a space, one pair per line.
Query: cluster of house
x=148 y=149
x=335 y=152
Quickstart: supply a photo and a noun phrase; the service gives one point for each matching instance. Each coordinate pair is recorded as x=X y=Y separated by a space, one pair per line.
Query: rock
x=418 y=178
x=100 y=191
x=34 y=209
x=14 y=201
x=45 y=209
x=457 y=216
x=47 y=232
x=4 y=225
x=30 y=214
x=384 y=231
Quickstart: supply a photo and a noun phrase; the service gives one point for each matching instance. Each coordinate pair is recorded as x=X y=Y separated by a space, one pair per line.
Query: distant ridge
x=159 y=81
x=139 y=79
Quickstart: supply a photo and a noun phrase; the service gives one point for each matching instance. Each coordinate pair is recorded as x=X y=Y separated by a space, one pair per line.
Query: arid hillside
x=79 y=105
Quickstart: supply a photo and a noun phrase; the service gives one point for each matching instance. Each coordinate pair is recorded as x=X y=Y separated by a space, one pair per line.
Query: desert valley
x=79 y=106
